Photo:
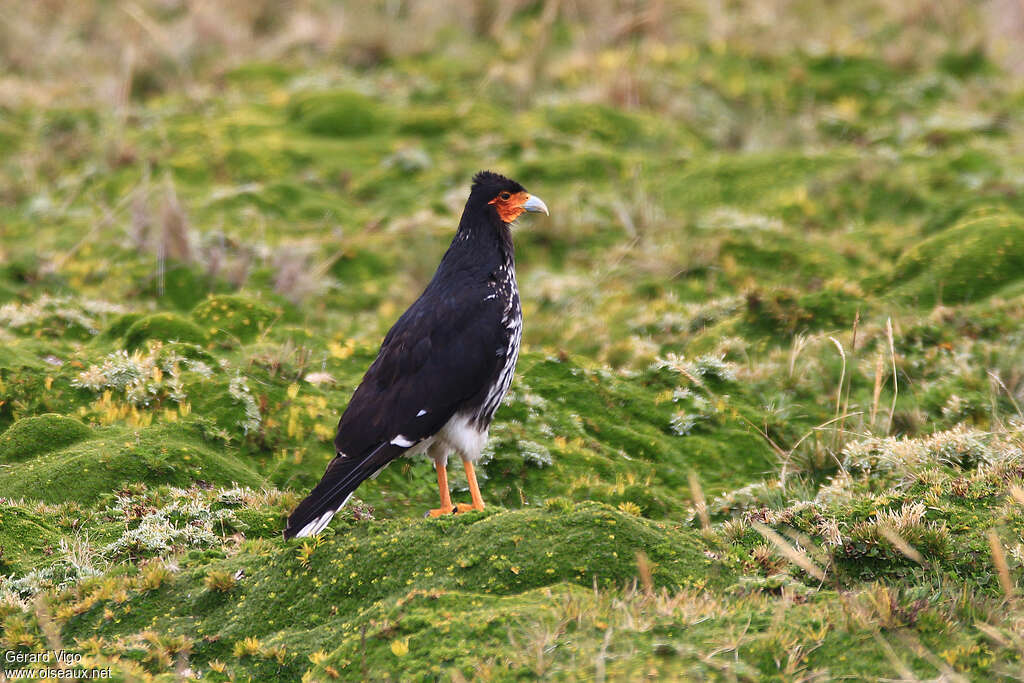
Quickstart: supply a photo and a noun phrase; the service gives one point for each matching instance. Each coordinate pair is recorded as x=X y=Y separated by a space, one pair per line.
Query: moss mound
x=23 y=536
x=182 y=287
x=425 y=644
x=499 y=551
x=617 y=416
x=368 y=564
x=599 y=121
x=165 y=327
x=337 y=114
x=981 y=253
x=785 y=311
x=23 y=379
x=428 y=122
x=119 y=326
x=229 y=316
x=31 y=436
x=156 y=455
x=582 y=166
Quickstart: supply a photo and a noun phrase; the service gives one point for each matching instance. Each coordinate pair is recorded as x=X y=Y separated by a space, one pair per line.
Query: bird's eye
x=505 y=195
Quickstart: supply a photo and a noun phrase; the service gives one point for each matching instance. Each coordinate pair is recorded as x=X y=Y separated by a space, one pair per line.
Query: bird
x=443 y=367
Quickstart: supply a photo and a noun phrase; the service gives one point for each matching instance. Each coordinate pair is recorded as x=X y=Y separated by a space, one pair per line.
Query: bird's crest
x=491 y=182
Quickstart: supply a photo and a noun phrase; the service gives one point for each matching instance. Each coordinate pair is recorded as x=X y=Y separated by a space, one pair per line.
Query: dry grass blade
x=800 y=342
x=994 y=376
x=699 y=502
x=993 y=634
x=853 y=352
x=176 y=242
x=817 y=553
x=49 y=628
x=877 y=392
x=788 y=455
x=795 y=556
x=913 y=644
x=895 y=383
x=839 y=391
x=1017 y=493
x=894 y=659
x=109 y=215
x=999 y=559
x=900 y=543
x=643 y=570
x=599 y=669
x=842 y=374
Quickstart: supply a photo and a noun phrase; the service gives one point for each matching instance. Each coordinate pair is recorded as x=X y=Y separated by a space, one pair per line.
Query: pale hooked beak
x=536 y=205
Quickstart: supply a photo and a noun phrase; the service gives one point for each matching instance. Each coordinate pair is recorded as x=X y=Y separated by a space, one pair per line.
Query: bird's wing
x=442 y=351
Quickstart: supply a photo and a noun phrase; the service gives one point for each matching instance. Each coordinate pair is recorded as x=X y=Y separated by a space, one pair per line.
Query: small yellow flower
x=400 y=648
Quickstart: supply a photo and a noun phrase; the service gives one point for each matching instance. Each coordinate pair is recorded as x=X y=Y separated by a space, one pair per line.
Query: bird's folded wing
x=441 y=353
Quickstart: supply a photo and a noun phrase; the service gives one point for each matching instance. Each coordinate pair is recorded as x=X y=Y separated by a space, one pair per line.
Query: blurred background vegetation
x=781 y=287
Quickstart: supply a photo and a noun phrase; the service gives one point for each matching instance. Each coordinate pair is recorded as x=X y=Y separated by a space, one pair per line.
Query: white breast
x=462 y=435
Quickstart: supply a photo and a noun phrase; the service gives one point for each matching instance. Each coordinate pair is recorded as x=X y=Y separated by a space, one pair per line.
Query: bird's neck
x=480 y=244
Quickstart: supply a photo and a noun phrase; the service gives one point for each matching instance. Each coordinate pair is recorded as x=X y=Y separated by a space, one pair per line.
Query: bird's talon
x=467 y=507
x=439 y=512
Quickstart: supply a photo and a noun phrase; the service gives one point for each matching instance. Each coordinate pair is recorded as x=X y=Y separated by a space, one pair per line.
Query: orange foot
x=467 y=507
x=438 y=512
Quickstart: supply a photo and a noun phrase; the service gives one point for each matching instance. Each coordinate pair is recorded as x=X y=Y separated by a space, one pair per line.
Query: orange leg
x=446 y=496
x=474 y=489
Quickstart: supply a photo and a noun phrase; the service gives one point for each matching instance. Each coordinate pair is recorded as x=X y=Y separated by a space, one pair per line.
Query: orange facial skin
x=511 y=208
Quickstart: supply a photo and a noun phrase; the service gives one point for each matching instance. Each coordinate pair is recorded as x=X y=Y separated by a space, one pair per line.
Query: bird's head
x=505 y=198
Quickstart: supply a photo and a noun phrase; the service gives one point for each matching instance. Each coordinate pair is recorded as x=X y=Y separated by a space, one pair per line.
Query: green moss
x=580 y=165
x=181 y=287
x=7 y=292
x=970 y=62
x=18 y=357
x=497 y=553
x=786 y=311
x=234 y=317
x=25 y=538
x=337 y=114
x=714 y=208
x=155 y=455
x=259 y=73
x=979 y=254
x=119 y=327
x=742 y=180
x=773 y=255
x=422 y=121
x=165 y=327
x=839 y=75
x=32 y=436
x=599 y=121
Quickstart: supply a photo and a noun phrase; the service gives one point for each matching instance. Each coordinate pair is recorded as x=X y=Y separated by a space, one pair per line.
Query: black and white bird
x=443 y=368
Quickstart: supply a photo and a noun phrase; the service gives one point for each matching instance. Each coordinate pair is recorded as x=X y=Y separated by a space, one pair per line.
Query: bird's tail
x=342 y=477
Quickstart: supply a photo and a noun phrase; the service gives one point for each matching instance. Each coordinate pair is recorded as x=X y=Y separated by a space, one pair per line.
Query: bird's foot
x=467 y=507
x=440 y=512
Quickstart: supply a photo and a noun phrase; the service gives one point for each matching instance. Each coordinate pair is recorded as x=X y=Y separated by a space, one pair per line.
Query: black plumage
x=443 y=367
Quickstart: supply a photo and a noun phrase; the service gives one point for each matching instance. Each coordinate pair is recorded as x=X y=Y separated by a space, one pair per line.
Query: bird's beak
x=535 y=204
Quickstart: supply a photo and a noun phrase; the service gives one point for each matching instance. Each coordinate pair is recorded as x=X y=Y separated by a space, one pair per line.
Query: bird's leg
x=474 y=489
x=442 y=484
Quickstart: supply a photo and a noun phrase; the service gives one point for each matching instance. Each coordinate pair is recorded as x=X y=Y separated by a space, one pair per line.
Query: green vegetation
x=31 y=436
x=768 y=418
x=979 y=254
x=234 y=316
x=167 y=326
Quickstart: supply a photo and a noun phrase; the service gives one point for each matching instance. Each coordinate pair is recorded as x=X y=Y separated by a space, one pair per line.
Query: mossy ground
x=766 y=422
